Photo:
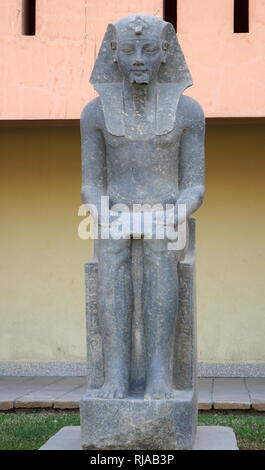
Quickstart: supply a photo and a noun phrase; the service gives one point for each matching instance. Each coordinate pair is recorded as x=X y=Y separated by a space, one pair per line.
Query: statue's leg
x=115 y=304
x=160 y=303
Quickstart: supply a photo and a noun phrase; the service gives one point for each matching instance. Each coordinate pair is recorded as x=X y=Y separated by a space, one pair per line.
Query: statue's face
x=139 y=59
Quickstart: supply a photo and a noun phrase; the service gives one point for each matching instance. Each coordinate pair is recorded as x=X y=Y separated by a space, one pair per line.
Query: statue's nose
x=138 y=59
x=138 y=62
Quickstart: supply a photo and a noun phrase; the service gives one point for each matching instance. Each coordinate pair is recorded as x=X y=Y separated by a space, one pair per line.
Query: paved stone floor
x=65 y=393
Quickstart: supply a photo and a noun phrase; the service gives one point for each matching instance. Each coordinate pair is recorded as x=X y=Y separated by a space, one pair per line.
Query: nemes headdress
x=173 y=76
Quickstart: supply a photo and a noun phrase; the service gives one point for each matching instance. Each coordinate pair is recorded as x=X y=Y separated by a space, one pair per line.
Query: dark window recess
x=241 y=16
x=170 y=12
x=29 y=17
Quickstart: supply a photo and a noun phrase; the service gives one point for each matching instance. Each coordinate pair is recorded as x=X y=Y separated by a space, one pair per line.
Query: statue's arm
x=191 y=157
x=93 y=157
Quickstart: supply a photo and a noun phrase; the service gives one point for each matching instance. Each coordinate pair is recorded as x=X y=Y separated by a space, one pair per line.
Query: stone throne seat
x=145 y=424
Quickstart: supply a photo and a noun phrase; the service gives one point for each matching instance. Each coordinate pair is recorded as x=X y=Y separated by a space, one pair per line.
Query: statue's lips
x=139 y=72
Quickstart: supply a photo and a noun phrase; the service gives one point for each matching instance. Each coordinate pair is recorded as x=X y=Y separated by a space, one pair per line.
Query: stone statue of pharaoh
x=142 y=144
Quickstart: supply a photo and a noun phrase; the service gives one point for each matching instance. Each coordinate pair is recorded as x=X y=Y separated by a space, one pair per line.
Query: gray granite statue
x=142 y=147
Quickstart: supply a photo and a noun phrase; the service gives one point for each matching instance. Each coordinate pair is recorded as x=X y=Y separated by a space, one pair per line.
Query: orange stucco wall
x=228 y=69
x=46 y=76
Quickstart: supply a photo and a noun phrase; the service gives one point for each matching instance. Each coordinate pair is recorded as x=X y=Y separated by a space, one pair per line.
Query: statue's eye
x=151 y=49
x=127 y=50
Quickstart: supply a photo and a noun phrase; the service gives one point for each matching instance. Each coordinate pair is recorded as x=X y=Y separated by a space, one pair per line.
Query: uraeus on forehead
x=138 y=26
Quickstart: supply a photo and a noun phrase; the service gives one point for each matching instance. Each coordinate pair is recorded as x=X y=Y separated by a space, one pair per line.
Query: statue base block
x=207 y=438
x=136 y=423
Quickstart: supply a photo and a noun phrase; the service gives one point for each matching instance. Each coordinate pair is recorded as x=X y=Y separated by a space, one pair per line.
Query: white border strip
x=79 y=369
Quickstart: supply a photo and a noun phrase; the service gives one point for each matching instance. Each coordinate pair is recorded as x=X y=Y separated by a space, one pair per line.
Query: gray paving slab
x=45 y=396
x=24 y=383
x=12 y=390
x=28 y=383
x=256 y=388
x=230 y=394
x=7 y=381
x=215 y=438
x=205 y=393
x=64 y=392
x=207 y=438
x=70 y=399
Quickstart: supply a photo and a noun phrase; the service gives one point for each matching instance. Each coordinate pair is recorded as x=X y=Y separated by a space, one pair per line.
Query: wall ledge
x=76 y=122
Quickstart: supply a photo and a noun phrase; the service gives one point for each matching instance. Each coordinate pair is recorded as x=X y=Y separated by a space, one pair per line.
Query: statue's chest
x=142 y=139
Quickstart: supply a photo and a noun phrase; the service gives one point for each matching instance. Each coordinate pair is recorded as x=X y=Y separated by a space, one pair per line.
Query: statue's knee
x=157 y=252
x=155 y=248
x=115 y=251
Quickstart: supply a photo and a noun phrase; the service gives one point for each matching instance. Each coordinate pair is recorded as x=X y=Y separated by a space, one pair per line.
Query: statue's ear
x=165 y=46
x=113 y=45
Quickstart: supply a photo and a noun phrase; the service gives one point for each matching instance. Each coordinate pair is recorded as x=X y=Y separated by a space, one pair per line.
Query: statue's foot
x=108 y=391
x=158 y=389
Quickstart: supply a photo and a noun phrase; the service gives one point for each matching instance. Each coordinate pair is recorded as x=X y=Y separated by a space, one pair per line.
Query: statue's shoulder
x=92 y=113
x=190 y=111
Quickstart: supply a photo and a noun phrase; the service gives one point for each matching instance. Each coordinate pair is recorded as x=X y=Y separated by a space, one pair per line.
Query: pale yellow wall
x=231 y=234
x=41 y=264
x=41 y=267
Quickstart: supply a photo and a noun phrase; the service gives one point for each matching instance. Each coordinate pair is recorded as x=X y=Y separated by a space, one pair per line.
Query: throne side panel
x=93 y=334
x=185 y=355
